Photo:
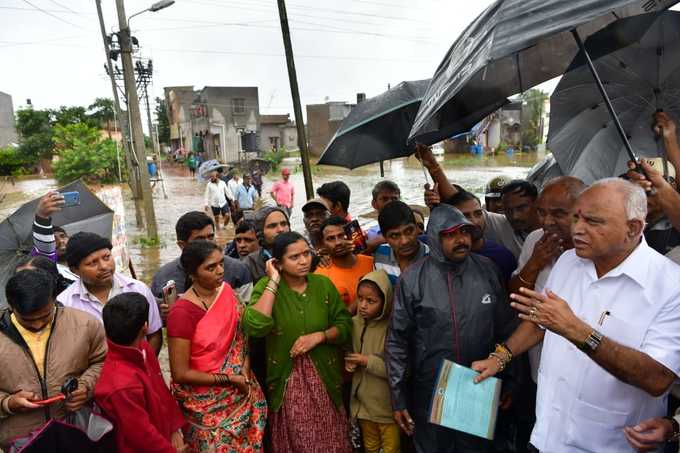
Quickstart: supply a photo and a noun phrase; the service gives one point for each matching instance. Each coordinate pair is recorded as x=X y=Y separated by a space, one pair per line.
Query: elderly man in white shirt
x=610 y=322
x=216 y=196
x=544 y=246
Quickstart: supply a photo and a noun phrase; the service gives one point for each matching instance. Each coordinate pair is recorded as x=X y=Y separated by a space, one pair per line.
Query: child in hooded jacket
x=370 y=398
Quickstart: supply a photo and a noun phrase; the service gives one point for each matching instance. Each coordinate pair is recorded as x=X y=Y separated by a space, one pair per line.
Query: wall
x=8 y=133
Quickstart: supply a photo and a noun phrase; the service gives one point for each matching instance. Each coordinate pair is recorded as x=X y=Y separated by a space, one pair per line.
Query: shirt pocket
x=592 y=428
x=623 y=332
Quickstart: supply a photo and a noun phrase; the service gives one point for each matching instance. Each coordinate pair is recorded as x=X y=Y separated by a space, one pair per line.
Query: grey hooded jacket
x=442 y=310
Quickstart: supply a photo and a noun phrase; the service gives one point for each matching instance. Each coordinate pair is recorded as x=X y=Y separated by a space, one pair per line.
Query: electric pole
x=136 y=122
x=122 y=122
x=295 y=92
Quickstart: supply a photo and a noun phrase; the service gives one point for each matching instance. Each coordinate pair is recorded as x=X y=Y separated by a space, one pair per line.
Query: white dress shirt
x=580 y=406
x=541 y=279
x=216 y=194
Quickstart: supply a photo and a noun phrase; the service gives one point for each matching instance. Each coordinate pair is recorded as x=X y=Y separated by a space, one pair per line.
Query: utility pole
x=136 y=121
x=122 y=122
x=295 y=91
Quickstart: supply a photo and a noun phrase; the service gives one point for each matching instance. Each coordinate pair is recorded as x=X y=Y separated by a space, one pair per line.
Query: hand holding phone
x=354 y=233
x=170 y=293
x=71 y=199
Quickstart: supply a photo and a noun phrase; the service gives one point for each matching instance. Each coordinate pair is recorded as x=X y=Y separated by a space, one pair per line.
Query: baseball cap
x=495 y=186
x=315 y=203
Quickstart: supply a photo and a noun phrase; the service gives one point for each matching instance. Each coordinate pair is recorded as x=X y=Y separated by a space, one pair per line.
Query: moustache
x=461 y=248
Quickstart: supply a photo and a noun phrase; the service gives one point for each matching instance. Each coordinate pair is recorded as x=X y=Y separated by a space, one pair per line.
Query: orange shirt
x=347 y=279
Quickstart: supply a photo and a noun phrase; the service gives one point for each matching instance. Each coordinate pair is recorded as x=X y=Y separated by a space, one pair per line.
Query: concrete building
x=220 y=115
x=178 y=100
x=212 y=119
x=8 y=132
x=278 y=131
x=323 y=120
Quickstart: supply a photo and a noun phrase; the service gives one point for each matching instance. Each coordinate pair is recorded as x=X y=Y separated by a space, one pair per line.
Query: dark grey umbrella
x=544 y=170
x=640 y=79
x=377 y=128
x=16 y=238
x=513 y=45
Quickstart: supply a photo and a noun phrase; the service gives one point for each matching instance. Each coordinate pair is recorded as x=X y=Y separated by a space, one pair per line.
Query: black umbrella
x=58 y=436
x=16 y=238
x=640 y=79
x=512 y=46
x=377 y=128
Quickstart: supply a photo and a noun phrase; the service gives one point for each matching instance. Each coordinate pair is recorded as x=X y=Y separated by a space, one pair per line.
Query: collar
x=635 y=266
x=134 y=356
x=120 y=281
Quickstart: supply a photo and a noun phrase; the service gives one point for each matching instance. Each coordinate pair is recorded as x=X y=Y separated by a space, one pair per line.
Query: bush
x=13 y=162
x=275 y=158
x=96 y=164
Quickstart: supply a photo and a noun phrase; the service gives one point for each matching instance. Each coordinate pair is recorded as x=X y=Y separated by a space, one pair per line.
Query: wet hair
x=195 y=253
x=245 y=226
x=335 y=220
x=191 y=221
x=124 y=316
x=460 y=197
x=60 y=283
x=520 y=187
x=385 y=186
x=29 y=290
x=336 y=192
x=282 y=242
x=58 y=229
x=395 y=214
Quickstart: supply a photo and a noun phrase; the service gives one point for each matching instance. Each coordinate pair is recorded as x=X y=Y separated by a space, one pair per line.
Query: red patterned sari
x=221 y=419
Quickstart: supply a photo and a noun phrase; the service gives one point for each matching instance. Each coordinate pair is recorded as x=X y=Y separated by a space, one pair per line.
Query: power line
x=61 y=5
x=52 y=15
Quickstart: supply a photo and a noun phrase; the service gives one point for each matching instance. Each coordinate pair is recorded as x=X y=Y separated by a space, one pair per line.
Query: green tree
x=103 y=112
x=13 y=162
x=73 y=115
x=533 y=102
x=35 y=134
x=163 y=121
x=83 y=154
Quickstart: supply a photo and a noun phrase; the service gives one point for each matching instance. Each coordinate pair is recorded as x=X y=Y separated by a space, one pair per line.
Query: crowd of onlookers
x=311 y=341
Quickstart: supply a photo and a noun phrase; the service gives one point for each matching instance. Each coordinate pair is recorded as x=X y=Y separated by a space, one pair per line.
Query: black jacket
x=443 y=310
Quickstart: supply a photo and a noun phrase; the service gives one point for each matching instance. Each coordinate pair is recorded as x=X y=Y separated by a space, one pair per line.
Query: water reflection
x=186 y=194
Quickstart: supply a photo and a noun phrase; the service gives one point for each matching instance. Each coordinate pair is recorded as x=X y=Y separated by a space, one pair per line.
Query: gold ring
x=532 y=312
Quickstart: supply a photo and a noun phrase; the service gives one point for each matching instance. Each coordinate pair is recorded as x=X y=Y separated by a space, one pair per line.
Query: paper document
x=458 y=403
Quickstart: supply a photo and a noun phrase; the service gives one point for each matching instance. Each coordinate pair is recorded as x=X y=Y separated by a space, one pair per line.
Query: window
x=239 y=105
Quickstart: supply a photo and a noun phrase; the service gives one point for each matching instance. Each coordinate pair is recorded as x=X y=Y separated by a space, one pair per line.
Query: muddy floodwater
x=186 y=194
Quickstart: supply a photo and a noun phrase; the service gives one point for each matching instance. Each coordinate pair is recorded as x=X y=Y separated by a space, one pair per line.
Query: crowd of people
x=291 y=341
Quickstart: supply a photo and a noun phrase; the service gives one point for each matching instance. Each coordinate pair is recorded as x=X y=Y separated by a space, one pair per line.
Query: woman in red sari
x=212 y=381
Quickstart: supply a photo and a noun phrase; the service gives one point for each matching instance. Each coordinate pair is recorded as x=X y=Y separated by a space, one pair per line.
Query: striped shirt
x=384 y=259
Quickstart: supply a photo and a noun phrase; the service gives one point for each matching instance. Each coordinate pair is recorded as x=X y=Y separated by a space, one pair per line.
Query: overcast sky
x=51 y=50
x=55 y=56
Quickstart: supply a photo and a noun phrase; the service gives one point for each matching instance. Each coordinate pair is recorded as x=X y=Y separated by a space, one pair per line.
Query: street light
x=153 y=8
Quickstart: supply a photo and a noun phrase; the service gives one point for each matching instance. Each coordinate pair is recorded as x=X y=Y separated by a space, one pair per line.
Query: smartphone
x=49 y=401
x=354 y=234
x=71 y=199
x=170 y=293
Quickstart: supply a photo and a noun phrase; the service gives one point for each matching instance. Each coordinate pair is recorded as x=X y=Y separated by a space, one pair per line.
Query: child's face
x=370 y=301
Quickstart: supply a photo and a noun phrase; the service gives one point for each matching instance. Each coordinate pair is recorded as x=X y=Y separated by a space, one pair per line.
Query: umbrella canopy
x=544 y=171
x=513 y=45
x=639 y=79
x=206 y=167
x=376 y=129
x=16 y=238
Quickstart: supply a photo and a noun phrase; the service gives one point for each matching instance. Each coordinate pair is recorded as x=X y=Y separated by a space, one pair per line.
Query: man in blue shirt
x=403 y=248
x=246 y=195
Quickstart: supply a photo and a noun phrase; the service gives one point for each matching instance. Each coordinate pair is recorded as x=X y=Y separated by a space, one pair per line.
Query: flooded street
x=186 y=194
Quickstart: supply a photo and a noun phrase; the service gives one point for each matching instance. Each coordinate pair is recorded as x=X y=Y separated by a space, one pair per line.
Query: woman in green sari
x=305 y=324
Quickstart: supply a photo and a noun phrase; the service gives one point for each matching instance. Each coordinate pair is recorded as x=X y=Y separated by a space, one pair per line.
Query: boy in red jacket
x=131 y=391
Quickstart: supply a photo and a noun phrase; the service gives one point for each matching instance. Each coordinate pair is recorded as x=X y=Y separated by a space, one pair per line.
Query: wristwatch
x=592 y=342
x=676 y=429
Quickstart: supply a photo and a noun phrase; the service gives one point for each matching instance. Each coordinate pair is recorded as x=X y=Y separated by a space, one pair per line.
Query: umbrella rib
x=378 y=115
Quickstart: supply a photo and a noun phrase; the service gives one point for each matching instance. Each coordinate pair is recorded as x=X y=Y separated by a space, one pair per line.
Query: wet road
x=186 y=194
